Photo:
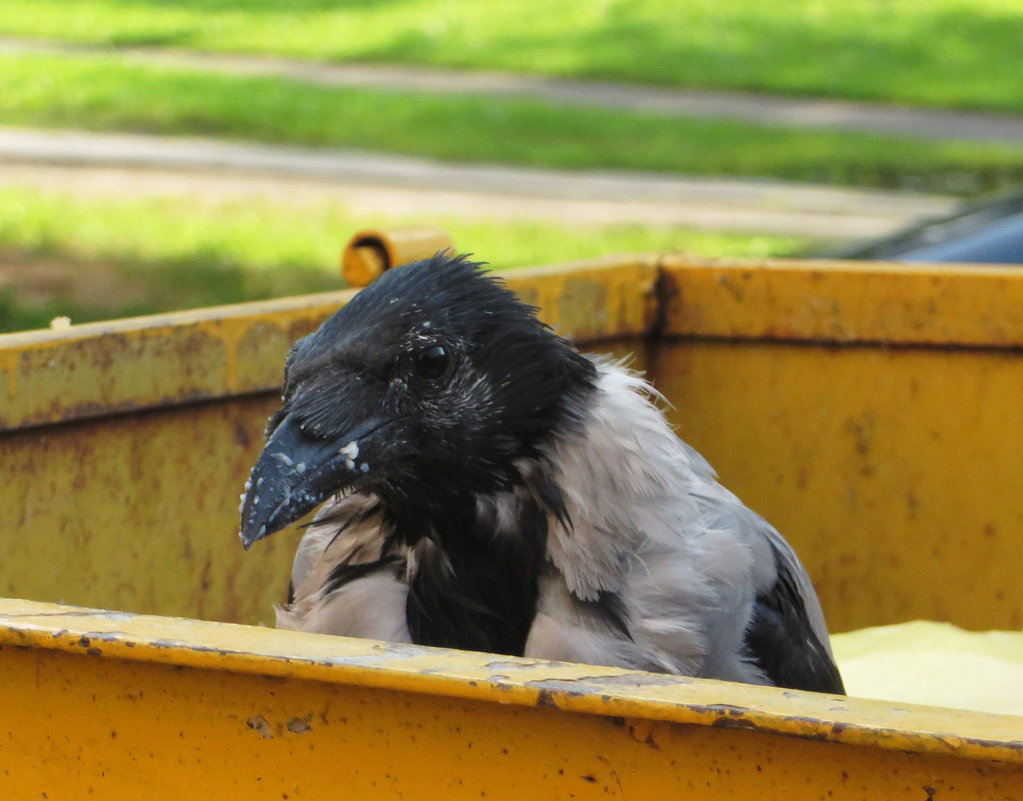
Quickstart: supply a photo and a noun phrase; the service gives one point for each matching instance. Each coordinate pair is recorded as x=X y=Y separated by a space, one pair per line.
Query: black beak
x=297 y=472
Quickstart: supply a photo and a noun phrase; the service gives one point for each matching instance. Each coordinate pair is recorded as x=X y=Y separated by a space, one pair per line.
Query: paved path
x=766 y=109
x=374 y=183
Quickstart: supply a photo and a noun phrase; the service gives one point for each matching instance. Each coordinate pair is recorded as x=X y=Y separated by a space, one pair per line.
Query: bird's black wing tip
x=783 y=642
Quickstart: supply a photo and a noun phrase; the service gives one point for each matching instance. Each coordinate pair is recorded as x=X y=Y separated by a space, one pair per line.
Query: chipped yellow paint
x=231 y=335
x=593 y=300
x=234 y=711
x=103 y=368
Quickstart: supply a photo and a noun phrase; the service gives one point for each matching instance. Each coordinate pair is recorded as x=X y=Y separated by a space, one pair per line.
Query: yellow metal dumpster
x=872 y=412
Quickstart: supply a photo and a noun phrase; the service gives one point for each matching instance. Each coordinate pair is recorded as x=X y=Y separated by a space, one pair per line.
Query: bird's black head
x=426 y=389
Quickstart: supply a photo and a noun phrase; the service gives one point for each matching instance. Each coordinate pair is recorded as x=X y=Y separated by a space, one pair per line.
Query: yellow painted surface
x=874 y=413
x=845 y=302
x=149 y=708
x=141 y=513
x=98 y=369
x=895 y=472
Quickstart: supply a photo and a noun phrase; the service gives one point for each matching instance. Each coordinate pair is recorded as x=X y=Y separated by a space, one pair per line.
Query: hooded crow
x=489 y=488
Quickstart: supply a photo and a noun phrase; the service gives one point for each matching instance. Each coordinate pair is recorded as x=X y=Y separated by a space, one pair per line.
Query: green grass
x=961 y=53
x=170 y=252
x=103 y=94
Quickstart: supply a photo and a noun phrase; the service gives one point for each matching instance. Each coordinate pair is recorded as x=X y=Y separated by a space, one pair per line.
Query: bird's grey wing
x=639 y=552
x=787 y=637
x=703 y=584
x=342 y=581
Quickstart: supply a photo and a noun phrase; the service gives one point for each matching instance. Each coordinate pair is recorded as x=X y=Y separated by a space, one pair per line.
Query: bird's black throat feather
x=475 y=579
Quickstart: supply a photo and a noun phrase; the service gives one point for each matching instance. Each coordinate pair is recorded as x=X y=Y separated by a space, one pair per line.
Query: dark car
x=988 y=232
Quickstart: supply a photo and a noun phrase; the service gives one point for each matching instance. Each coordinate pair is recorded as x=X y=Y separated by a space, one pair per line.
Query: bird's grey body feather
x=371 y=605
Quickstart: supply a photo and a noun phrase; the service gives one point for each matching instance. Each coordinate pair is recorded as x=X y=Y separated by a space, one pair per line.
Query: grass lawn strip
x=100 y=93
x=944 y=53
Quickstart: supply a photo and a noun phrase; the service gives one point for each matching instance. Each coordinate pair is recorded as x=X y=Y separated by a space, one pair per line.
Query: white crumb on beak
x=284 y=459
x=351 y=453
x=244 y=495
x=300 y=467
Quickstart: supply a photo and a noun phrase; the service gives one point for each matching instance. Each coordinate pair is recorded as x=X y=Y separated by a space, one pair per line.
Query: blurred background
x=162 y=155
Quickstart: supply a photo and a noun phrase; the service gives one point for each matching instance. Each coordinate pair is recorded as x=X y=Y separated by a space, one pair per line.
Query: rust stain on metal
x=642 y=731
x=188 y=562
x=231 y=336
x=142 y=363
x=9 y=363
x=546 y=698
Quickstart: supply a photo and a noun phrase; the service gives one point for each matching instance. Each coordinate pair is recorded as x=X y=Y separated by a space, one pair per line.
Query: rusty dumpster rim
x=490 y=678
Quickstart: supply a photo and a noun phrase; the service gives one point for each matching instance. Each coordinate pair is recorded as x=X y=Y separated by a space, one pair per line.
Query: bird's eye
x=432 y=362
